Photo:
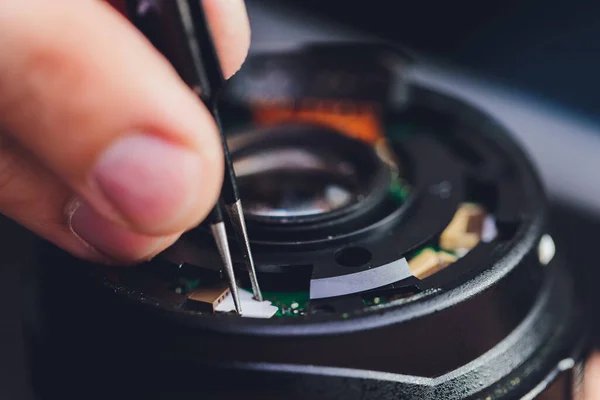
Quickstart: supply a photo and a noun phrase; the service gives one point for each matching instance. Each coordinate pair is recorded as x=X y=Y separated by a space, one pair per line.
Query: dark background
x=547 y=48
x=551 y=48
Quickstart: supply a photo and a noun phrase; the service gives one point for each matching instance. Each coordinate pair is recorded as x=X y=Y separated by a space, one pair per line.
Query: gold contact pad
x=429 y=261
x=464 y=231
x=210 y=297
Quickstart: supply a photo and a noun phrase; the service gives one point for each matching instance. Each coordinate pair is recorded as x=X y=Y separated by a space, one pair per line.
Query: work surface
x=564 y=148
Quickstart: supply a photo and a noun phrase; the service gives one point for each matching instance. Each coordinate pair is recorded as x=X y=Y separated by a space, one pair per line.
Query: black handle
x=229 y=190
x=216 y=215
x=180 y=31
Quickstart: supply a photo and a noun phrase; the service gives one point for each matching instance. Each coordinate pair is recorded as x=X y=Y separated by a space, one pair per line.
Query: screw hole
x=353 y=257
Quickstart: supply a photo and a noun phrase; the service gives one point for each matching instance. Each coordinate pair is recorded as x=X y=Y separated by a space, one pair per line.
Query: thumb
x=93 y=116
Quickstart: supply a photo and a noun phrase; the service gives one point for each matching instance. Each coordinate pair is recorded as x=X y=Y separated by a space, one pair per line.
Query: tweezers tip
x=220 y=236
x=236 y=215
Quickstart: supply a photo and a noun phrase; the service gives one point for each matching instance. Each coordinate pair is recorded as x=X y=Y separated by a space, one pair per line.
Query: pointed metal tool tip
x=220 y=236
x=236 y=300
x=236 y=215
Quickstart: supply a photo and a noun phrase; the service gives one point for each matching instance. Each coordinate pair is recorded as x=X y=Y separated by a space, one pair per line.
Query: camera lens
x=417 y=264
x=293 y=182
x=301 y=173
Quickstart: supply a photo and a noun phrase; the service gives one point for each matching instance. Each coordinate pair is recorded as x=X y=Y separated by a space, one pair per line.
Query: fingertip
x=159 y=187
x=110 y=243
x=591 y=386
x=230 y=24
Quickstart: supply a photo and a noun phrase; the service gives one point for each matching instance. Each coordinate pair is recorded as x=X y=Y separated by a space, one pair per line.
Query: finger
x=37 y=200
x=230 y=26
x=118 y=244
x=88 y=96
x=591 y=386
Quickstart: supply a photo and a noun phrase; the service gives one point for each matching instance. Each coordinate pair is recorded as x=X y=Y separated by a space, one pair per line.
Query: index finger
x=229 y=23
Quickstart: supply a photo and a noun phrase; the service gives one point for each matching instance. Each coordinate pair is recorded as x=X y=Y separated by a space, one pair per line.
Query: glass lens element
x=294 y=182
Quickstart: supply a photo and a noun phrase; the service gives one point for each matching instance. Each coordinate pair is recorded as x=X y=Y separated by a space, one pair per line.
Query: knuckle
x=41 y=72
x=51 y=88
x=53 y=70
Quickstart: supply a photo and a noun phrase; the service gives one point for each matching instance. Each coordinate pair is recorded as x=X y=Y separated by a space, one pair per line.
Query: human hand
x=591 y=387
x=104 y=151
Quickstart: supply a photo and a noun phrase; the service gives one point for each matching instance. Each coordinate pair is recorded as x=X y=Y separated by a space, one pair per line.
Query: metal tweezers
x=180 y=30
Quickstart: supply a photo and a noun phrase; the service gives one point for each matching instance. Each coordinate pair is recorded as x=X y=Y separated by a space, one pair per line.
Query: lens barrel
x=400 y=232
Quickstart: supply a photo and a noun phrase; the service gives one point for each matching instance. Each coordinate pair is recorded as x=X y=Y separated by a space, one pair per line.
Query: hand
x=104 y=151
x=591 y=387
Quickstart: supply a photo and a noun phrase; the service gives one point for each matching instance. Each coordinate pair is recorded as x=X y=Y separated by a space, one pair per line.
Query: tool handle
x=180 y=31
x=209 y=57
x=216 y=215
x=159 y=21
x=211 y=82
x=229 y=190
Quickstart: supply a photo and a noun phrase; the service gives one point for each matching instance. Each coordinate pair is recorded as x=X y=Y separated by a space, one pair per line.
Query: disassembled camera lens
x=400 y=241
x=302 y=171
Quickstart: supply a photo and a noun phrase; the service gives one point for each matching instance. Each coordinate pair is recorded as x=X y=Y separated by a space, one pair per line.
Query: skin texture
x=103 y=149
x=591 y=386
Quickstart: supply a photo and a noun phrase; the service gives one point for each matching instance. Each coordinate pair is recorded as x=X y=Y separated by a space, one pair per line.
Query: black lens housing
x=497 y=324
x=371 y=174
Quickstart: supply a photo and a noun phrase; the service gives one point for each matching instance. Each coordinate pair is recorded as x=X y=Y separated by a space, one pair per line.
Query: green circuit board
x=292 y=304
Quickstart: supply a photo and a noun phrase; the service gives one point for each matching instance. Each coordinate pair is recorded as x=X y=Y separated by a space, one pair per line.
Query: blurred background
x=550 y=48
x=532 y=64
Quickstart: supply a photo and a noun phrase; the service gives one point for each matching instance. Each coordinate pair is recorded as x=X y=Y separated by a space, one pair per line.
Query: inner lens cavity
x=293 y=182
